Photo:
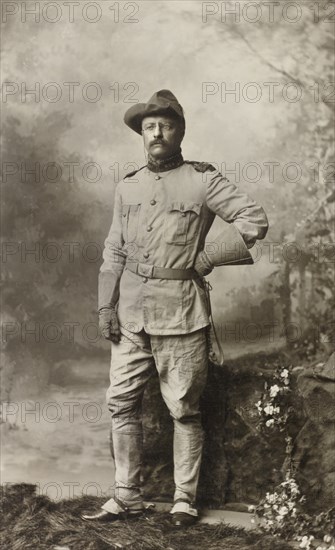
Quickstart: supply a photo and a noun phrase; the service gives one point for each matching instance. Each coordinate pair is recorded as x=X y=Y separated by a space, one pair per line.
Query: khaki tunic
x=162 y=220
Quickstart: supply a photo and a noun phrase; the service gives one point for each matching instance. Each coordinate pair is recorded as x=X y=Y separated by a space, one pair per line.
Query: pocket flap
x=185 y=207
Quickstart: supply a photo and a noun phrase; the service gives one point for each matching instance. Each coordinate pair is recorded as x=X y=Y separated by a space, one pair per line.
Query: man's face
x=162 y=136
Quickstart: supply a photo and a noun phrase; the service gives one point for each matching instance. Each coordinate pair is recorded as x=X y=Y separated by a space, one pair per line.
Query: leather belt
x=153 y=272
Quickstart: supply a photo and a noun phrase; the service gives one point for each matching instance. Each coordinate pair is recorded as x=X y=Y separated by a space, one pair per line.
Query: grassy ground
x=33 y=522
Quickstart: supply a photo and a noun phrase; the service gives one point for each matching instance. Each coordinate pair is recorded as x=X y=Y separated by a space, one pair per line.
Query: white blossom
x=271 y=498
x=268 y=409
x=274 y=390
x=306 y=542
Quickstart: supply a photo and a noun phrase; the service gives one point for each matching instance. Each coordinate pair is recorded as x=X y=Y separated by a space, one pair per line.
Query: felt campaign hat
x=162 y=102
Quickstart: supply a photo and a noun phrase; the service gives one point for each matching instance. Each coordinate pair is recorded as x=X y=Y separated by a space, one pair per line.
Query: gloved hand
x=202 y=264
x=109 y=324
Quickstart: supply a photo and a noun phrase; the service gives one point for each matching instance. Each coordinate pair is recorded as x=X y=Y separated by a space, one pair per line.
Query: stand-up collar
x=164 y=165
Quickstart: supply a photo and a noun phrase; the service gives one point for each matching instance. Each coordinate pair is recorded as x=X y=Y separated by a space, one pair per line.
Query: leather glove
x=109 y=324
x=108 y=295
x=202 y=264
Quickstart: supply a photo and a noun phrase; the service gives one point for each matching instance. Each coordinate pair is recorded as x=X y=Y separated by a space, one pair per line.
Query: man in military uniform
x=152 y=300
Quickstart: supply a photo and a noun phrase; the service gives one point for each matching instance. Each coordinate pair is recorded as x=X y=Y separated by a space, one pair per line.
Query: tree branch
x=277 y=69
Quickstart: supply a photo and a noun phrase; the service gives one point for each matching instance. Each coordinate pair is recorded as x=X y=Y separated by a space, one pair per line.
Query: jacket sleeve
x=248 y=222
x=114 y=257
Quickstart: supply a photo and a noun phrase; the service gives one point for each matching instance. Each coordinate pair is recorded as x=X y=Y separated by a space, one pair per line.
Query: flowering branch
x=281 y=512
x=272 y=407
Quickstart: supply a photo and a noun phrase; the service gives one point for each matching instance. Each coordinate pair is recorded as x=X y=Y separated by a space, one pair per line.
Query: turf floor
x=34 y=522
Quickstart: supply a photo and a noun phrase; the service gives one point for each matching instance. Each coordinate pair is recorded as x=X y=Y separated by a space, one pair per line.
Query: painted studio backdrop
x=256 y=80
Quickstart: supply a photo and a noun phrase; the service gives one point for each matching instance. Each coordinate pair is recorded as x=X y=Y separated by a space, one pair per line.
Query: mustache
x=157 y=142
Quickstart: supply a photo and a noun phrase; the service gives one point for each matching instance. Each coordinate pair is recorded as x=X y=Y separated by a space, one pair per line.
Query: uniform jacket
x=162 y=220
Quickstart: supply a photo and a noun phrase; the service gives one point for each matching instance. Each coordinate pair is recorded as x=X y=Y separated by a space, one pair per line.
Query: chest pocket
x=181 y=222
x=130 y=218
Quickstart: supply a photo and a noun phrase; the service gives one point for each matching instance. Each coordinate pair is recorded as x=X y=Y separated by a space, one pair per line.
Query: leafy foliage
x=282 y=511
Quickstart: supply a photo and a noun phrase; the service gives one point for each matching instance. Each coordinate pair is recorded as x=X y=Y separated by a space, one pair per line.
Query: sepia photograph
x=167 y=275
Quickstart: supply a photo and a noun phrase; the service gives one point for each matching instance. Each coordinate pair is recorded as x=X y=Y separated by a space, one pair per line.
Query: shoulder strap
x=130 y=174
x=201 y=166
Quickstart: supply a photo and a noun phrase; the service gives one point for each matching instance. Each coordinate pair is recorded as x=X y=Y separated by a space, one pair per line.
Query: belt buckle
x=145 y=270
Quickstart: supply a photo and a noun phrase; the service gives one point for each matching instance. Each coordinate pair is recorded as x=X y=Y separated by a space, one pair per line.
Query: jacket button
x=157 y=177
x=183 y=214
x=149 y=228
x=145 y=279
x=153 y=202
x=146 y=255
